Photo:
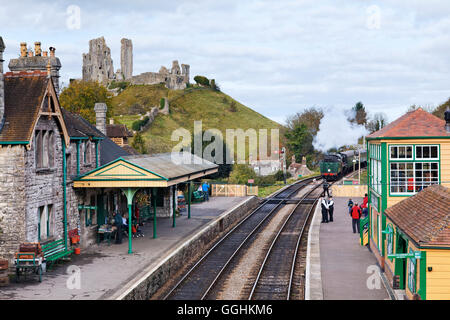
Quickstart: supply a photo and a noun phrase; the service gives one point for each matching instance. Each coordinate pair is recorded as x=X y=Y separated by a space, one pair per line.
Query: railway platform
x=345 y=270
x=106 y=270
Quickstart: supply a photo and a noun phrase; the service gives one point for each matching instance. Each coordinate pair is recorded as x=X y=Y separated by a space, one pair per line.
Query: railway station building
x=408 y=187
x=61 y=175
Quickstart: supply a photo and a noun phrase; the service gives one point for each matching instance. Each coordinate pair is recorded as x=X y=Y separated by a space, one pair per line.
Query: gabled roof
x=417 y=123
x=159 y=170
x=78 y=127
x=117 y=130
x=424 y=217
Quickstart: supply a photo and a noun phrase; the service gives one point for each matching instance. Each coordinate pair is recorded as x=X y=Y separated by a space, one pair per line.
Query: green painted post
x=154 y=194
x=64 y=192
x=174 y=204
x=78 y=157
x=189 y=200
x=96 y=153
x=130 y=192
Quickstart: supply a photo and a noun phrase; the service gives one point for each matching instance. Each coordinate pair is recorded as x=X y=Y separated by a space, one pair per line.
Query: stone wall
x=12 y=200
x=126 y=58
x=144 y=286
x=43 y=186
x=175 y=78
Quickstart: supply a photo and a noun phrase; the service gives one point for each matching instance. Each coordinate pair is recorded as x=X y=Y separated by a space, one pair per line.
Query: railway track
x=203 y=276
x=275 y=279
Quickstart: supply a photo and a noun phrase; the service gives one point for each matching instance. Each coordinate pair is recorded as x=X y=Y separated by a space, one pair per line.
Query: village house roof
x=424 y=217
x=417 y=123
x=23 y=98
x=78 y=127
x=117 y=131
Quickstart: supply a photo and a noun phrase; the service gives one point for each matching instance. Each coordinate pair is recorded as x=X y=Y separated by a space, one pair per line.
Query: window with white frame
x=427 y=152
x=411 y=177
x=401 y=152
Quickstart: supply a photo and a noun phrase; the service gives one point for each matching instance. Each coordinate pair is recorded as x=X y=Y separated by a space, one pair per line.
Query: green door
x=101 y=210
x=400 y=264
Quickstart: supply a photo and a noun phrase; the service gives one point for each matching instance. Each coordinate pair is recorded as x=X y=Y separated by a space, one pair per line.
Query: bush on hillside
x=137 y=125
x=233 y=107
x=162 y=102
x=202 y=80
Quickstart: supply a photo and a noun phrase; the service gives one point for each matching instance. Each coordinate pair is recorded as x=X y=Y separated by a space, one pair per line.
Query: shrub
x=233 y=107
x=202 y=80
x=162 y=102
x=138 y=124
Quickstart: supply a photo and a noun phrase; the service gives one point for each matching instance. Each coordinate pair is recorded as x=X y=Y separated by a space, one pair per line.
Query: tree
x=311 y=117
x=299 y=141
x=440 y=110
x=139 y=143
x=80 y=97
x=201 y=80
x=378 y=121
x=241 y=173
x=360 y=116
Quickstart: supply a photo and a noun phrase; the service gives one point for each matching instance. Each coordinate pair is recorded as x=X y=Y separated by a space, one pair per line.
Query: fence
x=233 y=190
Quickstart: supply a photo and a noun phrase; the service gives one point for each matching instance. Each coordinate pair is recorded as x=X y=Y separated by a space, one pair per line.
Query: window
x=412 y=273
x=401 y=152
x=390 y=239
x=44 y=149
x=50 y=220
x=427 y=152
x=411 y=177
x=42 y=223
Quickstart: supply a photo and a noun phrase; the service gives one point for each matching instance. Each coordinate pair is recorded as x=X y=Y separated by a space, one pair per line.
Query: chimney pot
x=45 y=53
x=23 y=49
x=30 y=53
x=52 y=51
x=37 y=48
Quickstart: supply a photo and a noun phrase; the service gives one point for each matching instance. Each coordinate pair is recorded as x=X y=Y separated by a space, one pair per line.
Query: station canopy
x=146 y=171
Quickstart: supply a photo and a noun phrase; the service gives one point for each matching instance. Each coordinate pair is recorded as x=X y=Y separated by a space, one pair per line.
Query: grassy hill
x=214 y=108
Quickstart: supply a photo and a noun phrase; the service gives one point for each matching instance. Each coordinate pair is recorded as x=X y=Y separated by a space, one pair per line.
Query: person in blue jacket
x=205 y=189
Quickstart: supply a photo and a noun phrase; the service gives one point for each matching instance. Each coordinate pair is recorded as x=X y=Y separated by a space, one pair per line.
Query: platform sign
x=250 y=181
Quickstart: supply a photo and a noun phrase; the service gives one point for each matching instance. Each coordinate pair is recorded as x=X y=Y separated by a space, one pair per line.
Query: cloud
x=277 y=57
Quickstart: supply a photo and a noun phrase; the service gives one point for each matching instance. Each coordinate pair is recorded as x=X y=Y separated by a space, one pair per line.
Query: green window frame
x=412 y=273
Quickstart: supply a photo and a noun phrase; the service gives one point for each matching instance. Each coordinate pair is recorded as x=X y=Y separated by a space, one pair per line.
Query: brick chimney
x=2 y=84
x=100 y=117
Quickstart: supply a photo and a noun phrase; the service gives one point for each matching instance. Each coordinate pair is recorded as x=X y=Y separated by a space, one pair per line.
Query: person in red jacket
x=356 y=215
x=364 y=208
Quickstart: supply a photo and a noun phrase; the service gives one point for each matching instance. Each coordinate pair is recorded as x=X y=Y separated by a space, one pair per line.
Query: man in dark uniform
x=324 y=205
x=325 y=189
x=118 y=223
x=330 y=208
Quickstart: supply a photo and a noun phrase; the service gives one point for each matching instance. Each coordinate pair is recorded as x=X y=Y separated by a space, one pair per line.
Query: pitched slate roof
x=117 y=130
x=425 y=217
x=24 y=92
x=78 y=127
x=417 y=123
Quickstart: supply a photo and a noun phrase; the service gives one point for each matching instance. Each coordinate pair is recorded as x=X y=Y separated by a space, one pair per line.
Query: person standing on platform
x=364 y=207
x=350 y=205
x=356 y=215
x=324 y=205
x=118 y=222
x=205 y=189
x=325 y=189
x=330 y=209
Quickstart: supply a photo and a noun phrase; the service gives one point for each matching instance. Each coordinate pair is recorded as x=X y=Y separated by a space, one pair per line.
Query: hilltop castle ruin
x=98 y=66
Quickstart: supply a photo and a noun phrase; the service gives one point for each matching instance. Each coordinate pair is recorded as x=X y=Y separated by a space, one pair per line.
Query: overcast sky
x=277 y=57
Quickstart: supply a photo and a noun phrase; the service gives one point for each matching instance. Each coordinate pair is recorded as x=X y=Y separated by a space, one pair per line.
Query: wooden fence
x=233 y=190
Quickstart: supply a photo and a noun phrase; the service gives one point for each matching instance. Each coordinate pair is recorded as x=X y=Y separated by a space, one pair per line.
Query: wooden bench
x=55 y=250
x=198 y=196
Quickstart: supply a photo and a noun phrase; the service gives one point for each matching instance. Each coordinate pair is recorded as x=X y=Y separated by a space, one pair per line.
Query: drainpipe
x=64 y=192
x=96 y=153
x=78 y=158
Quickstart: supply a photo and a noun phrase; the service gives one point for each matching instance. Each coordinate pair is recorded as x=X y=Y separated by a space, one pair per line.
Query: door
x=101 y=210
x=400 y=264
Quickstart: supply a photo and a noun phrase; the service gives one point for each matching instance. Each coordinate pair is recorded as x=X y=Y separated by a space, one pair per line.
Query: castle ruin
x=98 y=66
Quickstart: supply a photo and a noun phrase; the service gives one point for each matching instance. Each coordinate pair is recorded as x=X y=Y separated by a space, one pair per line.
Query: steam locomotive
x=335 y=165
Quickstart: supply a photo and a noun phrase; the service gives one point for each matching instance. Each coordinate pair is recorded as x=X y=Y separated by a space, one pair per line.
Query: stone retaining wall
x=154 y=277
